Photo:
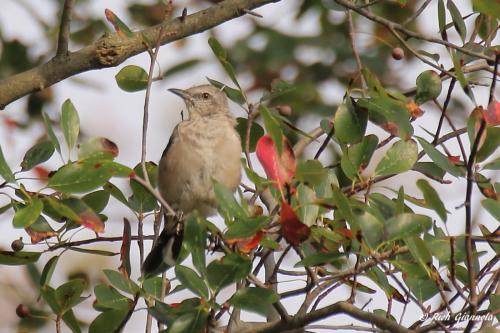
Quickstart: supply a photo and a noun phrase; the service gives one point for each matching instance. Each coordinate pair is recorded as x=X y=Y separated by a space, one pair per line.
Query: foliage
x=348 y=220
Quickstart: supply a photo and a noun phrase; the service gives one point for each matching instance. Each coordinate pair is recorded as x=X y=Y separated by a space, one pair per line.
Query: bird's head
x=204 y=100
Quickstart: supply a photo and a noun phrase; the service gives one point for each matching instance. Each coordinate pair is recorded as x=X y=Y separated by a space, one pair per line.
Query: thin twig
x=155 y=193
x=443 y=110
x=352 y=37
x=409 y=33
x=63 y=40
x=417 y=13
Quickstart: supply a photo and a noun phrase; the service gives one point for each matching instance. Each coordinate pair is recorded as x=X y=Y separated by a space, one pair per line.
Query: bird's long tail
x=167 y=248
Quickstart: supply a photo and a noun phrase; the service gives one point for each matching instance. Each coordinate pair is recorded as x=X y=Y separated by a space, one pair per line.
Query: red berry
x=17 y=245
x=22 y=311
x=398 y=53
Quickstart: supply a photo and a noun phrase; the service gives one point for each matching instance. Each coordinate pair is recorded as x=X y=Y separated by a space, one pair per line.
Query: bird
x=202 y=149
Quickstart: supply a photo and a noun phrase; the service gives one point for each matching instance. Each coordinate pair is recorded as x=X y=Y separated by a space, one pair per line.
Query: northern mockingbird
x=201 y=149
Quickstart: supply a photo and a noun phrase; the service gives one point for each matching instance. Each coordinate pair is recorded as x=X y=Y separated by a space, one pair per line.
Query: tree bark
x=113 y=49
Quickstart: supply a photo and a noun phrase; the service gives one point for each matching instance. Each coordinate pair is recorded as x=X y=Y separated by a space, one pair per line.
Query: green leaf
x=464 y=83
x=246 y=227
x=192 y=281
x=493 y=165
x=142 y=200
x=10 y=258
x=230 y=269
x=272 y=127
x=85 y=216
x=5 y=170
x=278 y=88
x=319 y=259
x=228 y=206
x=28 y=215
x=342 y=203
x=254 y=299
x=388 y=113
x=70 y=123
x=192 y=322
x=458 y=20
x=108 y=297
x=233 y=94
x=429 y=86
x=116 y=193
x=486 y=233
x=419 y=251
x=487 y=7
x=442 y=19
x=221 y=55
x=48 y=271
x=442 y=161
x=358 y=156
x=49 y=295
x=398 y=159
x=120 y=27
x=310 y=172
x=308 y=210
x=121 y=282
x=440 y=247
x=493 y=207
x=68 y=294
x=132 y=78
x=97 y=200
x=50 y=132
x=433 y=56
x=407 y=225
x=432 y=199
x=429 y=169
x=37 y=154
x=490 y=144
x=422 y=288
x=372 y=228
x=350 y=122
x=109 y=321
x=71 y=321
x=86 y=175
x=152 y=286
x=195 y=235
x=98 y=148
x=256 y=132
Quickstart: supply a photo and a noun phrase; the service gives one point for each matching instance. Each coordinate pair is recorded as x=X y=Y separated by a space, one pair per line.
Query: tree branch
x=336 y=308
x=111 y=50
x=63 y=40
x=409 y=33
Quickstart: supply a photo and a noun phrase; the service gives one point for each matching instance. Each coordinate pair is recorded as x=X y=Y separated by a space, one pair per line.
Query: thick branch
x=112 y=50
x=337 y=308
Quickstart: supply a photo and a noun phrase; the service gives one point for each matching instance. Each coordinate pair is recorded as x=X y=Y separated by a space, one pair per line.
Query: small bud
x=17 y=245
x=22 y=311
x=398 y=53
x=284 y=110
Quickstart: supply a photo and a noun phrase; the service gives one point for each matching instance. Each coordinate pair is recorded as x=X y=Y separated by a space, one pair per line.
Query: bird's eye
x=205 y=95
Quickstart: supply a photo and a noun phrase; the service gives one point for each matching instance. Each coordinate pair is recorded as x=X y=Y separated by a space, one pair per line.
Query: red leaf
x=455 y=159
x=246 y=245
x=492 y=113
x=41 y=172
x=37 y=236
x=294 y=231
x=125 y=249
x=414 y=110
x=91 y=220
x=280 y=169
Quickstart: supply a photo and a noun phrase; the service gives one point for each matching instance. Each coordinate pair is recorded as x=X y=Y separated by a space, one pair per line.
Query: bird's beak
x=181 y=93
